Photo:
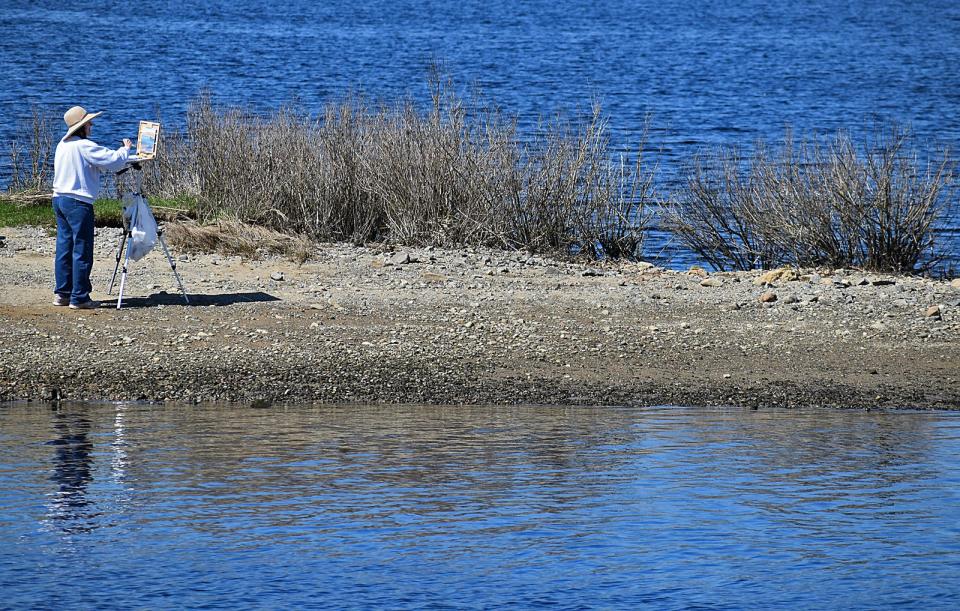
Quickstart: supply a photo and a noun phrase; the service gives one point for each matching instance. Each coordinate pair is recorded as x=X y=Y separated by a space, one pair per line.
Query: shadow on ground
x=164 y=298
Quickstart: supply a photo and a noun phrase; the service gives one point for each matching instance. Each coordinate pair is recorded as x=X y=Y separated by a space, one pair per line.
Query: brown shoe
x=89 y=304
x=60 y=300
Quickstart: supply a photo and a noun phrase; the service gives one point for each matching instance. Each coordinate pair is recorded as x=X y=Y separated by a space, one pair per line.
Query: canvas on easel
x=148 y=139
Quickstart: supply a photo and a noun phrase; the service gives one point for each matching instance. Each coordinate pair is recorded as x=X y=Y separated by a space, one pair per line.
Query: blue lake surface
x=126 y=506
x=706 y=73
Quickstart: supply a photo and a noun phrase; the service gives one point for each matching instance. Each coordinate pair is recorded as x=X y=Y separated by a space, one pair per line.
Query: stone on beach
x=784 y=274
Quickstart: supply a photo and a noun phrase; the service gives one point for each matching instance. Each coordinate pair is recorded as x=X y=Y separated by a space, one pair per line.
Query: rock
x=768 y=297
x=878 y=326
x=790 y=299
x=714 y=282
x=432 y=277
x=401 y=258
x=784 y=274
x=698 y=271
x=955 y=283
x=278 y=276
x=591 y=272
x=860 y=282
x=882 y=281
x=644 y=265
x=933 y=312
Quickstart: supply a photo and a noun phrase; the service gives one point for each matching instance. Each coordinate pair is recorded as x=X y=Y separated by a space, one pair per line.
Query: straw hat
x=77 y=117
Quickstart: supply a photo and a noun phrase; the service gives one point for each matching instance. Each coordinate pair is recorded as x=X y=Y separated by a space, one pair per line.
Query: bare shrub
x=716 y=213
x=172 y=174
x=454 y=174
x=31 y=154
x=811 y=204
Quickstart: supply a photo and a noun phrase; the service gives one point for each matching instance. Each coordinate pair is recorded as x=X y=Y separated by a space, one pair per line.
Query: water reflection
x=72 y=471
x=515 y=506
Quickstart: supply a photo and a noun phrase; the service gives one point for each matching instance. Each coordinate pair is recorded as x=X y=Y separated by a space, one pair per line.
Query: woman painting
x=77 y=166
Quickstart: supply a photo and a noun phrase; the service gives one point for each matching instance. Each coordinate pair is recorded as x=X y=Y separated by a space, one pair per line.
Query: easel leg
x=123 y=276
x=123 y=241
x=173 y=265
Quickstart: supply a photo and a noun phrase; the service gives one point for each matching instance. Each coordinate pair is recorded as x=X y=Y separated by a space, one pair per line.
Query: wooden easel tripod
x=127 y=237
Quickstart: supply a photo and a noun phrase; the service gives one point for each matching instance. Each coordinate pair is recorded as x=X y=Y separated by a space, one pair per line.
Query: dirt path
x=453 y=327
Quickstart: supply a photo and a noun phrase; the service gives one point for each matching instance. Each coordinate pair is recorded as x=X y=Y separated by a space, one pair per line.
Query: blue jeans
x=74 y=258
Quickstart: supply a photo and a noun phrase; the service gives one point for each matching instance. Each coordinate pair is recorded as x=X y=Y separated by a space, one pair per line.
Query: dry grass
x=235 y=238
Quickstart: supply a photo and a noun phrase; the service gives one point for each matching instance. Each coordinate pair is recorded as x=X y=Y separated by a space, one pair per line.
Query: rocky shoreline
x=357 y=324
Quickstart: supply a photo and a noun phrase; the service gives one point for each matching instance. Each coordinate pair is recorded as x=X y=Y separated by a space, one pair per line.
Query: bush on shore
x=810 y=205
x=458 y=174
x=449 y=176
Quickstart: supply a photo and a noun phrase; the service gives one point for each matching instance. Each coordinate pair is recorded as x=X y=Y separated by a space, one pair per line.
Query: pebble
x=784 y=274
x=768 y=297
x=401 y=258
x=933 y=312
x=278 y=276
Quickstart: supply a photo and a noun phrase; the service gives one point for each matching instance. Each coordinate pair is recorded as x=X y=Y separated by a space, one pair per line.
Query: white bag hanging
x=143 y=227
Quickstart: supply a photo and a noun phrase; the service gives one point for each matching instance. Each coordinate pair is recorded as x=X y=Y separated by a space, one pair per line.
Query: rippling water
x=413 y=507
x=706 y=73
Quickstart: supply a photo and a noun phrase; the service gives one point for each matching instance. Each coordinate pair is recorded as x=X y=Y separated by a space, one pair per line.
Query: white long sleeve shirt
x=77 y=166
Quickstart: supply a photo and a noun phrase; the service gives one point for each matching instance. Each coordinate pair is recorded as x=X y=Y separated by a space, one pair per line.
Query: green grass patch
x=107 y=212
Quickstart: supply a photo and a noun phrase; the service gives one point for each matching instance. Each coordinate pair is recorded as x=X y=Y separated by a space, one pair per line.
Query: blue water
x=120 y=506
x=706 y=73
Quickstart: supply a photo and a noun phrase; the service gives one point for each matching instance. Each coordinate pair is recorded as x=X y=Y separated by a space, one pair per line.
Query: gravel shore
x=358 y=324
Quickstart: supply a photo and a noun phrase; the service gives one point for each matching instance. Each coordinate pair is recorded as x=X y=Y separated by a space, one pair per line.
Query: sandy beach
x=356 y=324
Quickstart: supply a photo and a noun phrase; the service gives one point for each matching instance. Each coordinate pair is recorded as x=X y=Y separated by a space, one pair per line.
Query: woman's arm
x=103 y=158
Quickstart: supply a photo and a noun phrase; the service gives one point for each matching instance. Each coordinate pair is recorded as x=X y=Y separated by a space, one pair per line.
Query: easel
x=127 y=237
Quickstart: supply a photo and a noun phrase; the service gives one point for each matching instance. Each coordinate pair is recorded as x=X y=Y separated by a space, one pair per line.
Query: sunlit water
x=419 y=507
x=705 y=73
